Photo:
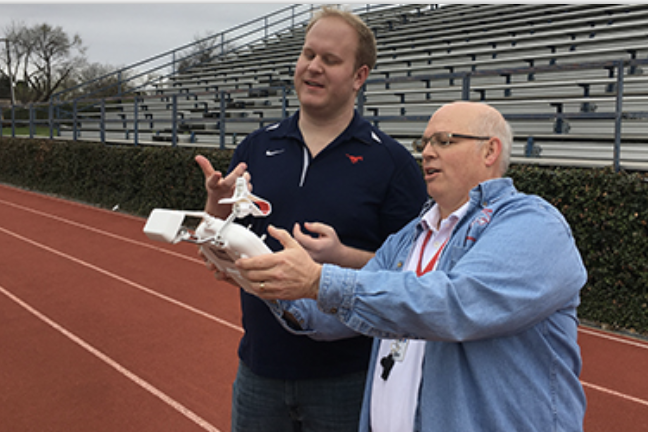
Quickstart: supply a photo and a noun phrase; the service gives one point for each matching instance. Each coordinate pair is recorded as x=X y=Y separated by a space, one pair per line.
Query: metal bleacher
x=570 y=79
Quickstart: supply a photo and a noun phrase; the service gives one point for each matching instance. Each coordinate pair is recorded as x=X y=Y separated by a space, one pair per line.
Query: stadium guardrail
x=132 y=117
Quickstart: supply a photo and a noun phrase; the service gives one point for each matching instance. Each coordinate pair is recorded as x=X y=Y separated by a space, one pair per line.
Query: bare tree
x=99 y=81
x=204 y=50
x=11 y=68
x=43 y=59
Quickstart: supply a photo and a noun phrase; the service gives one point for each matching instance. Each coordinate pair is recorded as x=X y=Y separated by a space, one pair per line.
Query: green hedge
x=607 y=211
x=138 y=179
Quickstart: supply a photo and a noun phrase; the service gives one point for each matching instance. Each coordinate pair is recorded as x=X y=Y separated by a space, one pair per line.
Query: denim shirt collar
x=489 y=192
x=483 y=195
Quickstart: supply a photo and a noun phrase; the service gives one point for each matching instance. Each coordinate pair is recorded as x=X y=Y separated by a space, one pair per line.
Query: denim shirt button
x=333 y=311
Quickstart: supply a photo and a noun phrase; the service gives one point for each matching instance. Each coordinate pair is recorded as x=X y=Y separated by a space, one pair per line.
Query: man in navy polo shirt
x=341 y=186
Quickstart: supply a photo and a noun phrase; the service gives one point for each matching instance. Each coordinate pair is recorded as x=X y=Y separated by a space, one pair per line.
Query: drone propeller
x=246 y=203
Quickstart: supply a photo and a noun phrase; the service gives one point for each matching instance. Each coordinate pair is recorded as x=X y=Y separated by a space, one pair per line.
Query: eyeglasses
x=443 y=139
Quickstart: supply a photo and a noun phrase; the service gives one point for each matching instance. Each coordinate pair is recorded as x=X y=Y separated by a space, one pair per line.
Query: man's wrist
x=217 y=210
x=353 y=258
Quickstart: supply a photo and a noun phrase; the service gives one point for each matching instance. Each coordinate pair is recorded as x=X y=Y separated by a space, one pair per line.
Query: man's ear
x=361 y=76
x=492 y=151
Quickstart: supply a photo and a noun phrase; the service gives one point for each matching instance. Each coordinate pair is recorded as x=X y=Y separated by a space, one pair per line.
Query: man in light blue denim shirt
x=472 y=305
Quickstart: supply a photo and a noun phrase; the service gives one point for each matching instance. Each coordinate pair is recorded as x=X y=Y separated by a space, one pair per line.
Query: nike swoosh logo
x=274 y=152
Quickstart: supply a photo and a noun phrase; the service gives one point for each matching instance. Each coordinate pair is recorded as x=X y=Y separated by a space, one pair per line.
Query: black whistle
x=387 y=363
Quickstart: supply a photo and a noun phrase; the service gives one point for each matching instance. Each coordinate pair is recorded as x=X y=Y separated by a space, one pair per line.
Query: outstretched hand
x=286 y=275
x=219 y=187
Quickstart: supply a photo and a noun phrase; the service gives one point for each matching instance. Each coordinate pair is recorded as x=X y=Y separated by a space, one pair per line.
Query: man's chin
x=313 y=104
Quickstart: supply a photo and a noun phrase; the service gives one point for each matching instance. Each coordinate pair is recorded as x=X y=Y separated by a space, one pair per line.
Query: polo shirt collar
x=358 y=129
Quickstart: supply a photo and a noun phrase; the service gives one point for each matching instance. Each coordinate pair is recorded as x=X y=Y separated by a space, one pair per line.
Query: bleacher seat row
x=555 y=71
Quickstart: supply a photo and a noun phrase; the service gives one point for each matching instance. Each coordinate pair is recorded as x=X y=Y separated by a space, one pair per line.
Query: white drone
x=222 y=242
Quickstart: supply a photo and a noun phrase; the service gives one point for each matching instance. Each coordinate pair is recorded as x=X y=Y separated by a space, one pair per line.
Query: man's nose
x=315 y=65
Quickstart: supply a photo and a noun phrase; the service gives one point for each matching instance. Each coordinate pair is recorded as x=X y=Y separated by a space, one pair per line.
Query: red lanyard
x=434 y=259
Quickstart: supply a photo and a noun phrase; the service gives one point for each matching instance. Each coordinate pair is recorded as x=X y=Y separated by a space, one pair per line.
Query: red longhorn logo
x=354 y=159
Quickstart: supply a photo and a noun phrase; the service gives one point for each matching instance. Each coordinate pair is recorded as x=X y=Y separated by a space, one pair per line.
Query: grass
x=40 y=131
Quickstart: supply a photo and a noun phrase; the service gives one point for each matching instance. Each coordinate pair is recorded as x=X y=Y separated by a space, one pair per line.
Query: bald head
x=467 y=143
x=480 y=119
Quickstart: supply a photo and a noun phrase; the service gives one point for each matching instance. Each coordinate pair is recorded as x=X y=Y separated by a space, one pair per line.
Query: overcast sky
x=120 y=34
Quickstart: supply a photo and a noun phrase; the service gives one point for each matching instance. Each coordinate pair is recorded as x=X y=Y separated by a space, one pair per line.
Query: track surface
x=104 y=330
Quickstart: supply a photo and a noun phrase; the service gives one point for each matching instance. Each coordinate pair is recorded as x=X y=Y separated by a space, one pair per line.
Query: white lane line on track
x=637 y=344
x=118 y=367
x=613 y=338
x=615 y=393
x=124 y=280
x=102 y=232
x=47 y=197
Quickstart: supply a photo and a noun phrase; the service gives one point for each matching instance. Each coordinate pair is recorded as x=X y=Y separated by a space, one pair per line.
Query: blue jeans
x=318 y=405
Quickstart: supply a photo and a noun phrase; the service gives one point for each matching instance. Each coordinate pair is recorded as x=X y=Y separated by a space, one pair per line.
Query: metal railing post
x=174 y=121
x=221 y=116
x=74 y=121
x=31 y=120
x=57 y=116
x=618 y=117
x=119 y=83
x=135 y=122
x=13 y=121
x=50 y=116
x=528 y=149
x=102 y=122
x=465 y=87
x=284 y=102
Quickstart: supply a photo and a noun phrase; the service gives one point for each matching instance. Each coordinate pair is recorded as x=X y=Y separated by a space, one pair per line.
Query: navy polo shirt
x=364 y=184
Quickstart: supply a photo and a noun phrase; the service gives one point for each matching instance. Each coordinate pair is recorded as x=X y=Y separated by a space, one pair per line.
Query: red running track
x=104 y=330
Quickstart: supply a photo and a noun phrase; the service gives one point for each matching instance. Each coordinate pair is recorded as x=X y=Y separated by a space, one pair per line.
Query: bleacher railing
x=48 y=116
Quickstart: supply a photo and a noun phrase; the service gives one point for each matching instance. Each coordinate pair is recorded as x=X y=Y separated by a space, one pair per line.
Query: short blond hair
x=366 y=53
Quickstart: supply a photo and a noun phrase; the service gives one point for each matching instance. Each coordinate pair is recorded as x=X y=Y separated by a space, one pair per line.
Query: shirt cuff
x=280 y=308
x=337 y=286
